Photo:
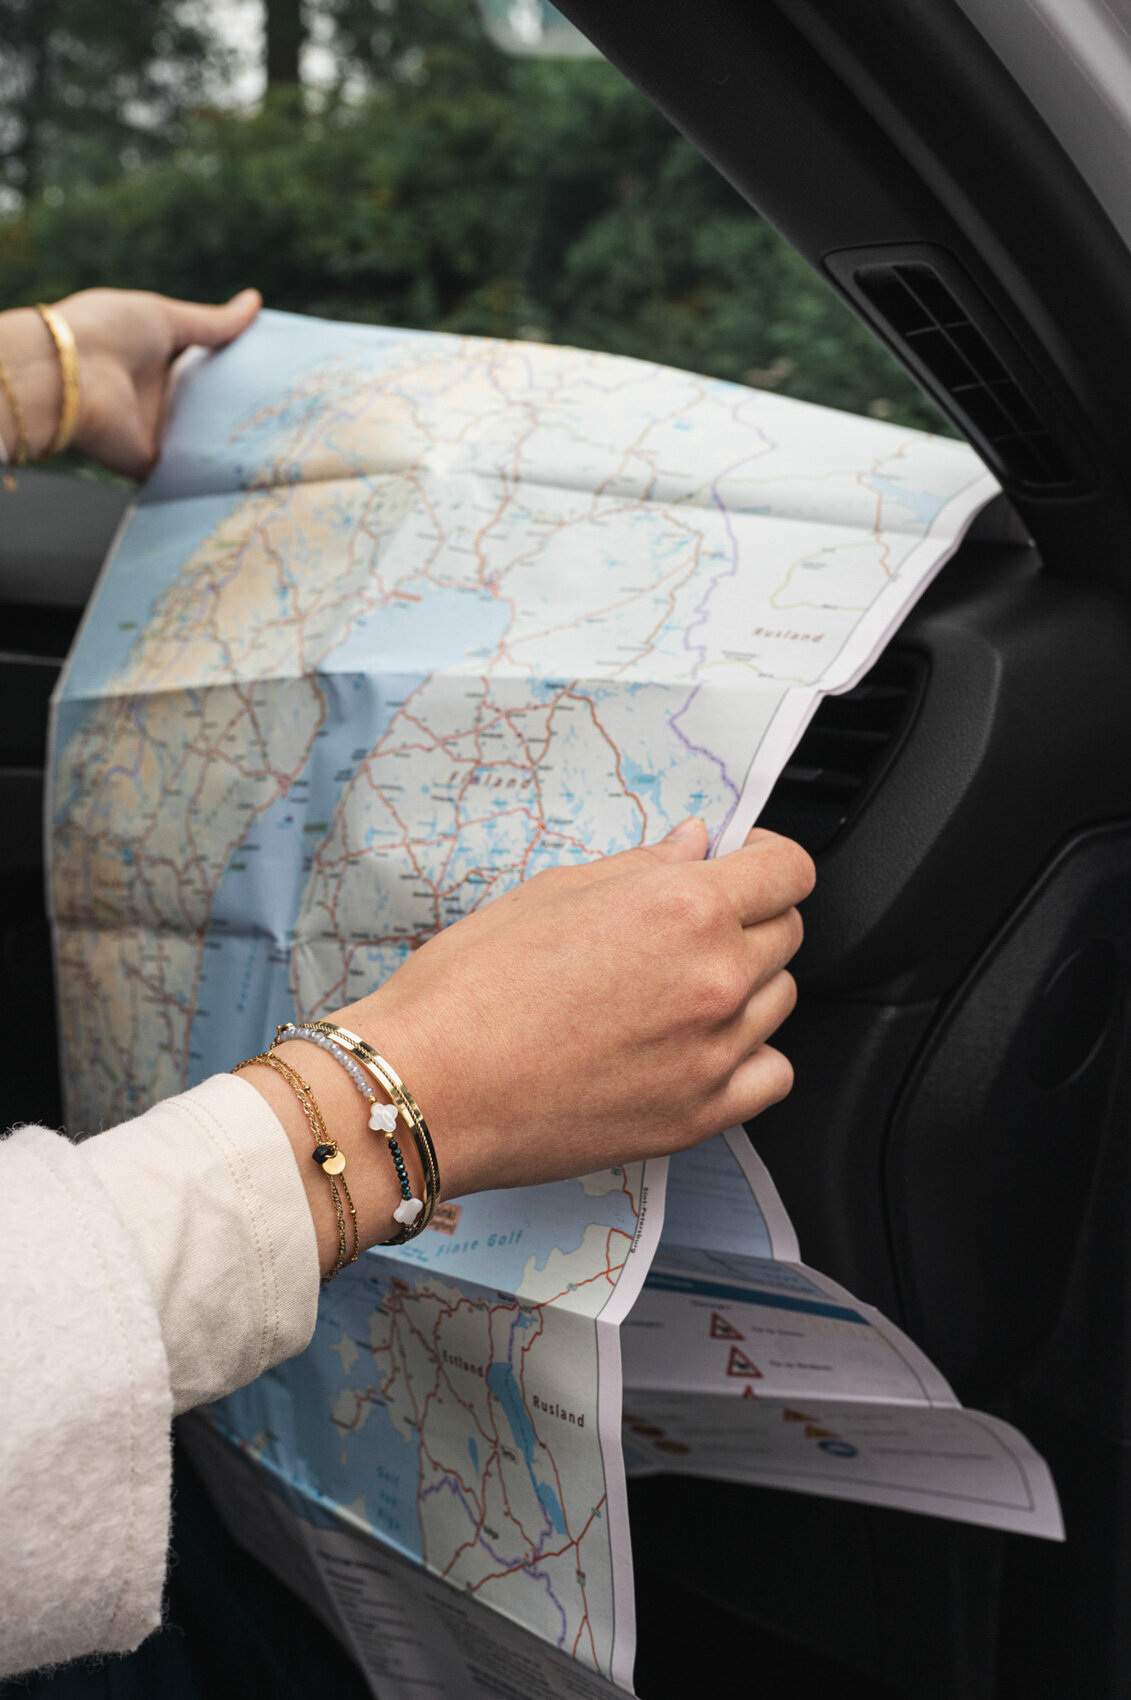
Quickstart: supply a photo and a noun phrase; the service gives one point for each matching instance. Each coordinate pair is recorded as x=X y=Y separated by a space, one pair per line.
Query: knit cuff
x=84 y=1416
x=209 y=1189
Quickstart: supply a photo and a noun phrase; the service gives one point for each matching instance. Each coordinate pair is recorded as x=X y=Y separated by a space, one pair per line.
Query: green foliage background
x=445 y=185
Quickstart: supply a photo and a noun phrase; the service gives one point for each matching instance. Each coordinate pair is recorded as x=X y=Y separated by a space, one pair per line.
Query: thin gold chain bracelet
x=327 y=1154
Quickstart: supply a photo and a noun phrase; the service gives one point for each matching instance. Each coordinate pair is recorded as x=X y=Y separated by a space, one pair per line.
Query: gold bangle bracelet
x=64 y=339
x=410 y=1113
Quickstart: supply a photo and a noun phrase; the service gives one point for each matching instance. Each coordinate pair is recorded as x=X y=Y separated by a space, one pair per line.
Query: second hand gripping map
x=400 y=619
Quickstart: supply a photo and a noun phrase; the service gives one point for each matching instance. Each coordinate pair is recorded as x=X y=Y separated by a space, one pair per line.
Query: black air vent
x=1005 y=416
x=844 y=752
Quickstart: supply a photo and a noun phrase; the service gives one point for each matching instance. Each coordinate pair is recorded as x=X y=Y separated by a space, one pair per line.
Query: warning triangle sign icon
x=749 y=1393
x=739 y=1364
x=721 y=1329
x=789 y=1416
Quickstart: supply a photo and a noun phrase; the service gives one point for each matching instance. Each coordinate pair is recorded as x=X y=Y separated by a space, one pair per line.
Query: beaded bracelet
x=326 y=1152
x=382 y=1117
x=410 y=1211
x=410 y=1110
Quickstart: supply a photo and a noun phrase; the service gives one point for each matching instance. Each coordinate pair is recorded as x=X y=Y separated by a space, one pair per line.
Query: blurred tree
x=85 y=84
x=443 y=185
x=438 y=43
x=284 y=34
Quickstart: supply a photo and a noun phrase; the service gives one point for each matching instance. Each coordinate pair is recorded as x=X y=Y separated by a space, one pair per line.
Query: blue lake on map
x=922 y=505
x=504 y=1385
x=322 y=1431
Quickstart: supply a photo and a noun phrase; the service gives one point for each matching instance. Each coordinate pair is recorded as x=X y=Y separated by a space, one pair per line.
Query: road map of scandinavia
x=400 y=619
x=463 y=1423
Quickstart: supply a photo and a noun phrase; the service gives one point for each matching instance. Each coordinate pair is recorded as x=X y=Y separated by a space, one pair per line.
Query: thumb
x=211 y=327
x=687 y=842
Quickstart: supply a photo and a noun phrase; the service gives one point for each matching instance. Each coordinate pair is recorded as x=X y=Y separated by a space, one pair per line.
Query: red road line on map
x=559 y=1552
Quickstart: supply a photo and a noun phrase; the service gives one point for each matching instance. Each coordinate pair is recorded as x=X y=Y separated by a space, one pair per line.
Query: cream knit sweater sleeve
x=149 y=1268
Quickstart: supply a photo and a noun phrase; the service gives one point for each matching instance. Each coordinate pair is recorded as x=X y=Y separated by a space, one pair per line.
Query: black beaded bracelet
x=382 y=1119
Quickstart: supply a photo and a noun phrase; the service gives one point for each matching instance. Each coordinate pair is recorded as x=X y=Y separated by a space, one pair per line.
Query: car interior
x=954 y=1150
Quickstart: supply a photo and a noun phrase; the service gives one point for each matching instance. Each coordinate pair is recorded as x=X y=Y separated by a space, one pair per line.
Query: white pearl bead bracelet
x=382 y=1117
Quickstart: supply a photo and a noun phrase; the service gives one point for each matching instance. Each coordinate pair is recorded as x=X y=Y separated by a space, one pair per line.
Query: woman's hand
x=600 y=1013
x=594 y=1015
x=125 y=340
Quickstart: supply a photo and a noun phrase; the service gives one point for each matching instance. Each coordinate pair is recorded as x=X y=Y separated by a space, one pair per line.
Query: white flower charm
x=408 y=1210
x=382 y=1118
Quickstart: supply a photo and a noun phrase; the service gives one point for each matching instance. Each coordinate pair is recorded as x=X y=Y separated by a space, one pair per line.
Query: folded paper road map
x=400 y=619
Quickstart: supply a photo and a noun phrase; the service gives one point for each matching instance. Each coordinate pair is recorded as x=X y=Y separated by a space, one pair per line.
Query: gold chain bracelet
x=326 y=1153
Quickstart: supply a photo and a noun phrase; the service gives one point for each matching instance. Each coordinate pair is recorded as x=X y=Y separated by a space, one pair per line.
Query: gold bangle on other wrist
x=64 y=339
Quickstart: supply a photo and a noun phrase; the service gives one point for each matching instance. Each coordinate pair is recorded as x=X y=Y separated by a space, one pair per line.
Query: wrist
x=32 y=363
x=413 y=1041
x=368 y=1171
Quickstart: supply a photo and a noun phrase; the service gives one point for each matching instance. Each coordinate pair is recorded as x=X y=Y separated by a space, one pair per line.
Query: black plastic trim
x=929 y=311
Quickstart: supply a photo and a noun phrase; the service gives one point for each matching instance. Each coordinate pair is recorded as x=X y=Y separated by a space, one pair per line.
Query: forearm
x=125 y=341
x=32 y=366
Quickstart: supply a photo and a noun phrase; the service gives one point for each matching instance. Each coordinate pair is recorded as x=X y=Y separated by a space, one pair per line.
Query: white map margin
x=610 y=1408
x=862 y=647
